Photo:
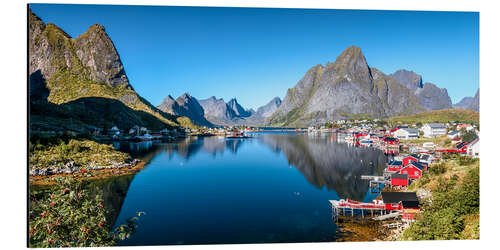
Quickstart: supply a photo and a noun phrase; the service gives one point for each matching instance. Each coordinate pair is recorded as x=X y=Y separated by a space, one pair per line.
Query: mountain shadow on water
x=329 y=164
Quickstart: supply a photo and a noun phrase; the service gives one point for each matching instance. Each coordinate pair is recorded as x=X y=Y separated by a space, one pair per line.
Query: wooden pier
x=350 y=207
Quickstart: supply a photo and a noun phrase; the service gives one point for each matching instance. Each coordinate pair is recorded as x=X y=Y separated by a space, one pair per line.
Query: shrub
x=68 y=216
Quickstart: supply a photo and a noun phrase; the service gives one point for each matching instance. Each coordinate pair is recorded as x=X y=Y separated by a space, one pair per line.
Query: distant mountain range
x=470 y=103
x=347 y=88
x=216 y=112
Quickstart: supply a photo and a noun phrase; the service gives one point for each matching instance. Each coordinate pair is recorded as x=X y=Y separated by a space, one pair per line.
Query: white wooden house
x=433 y=129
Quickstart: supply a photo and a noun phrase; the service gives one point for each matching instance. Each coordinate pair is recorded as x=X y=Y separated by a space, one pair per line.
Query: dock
x=345 y=207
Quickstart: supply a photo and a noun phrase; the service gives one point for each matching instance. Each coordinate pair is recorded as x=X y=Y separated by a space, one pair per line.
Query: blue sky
x=256 y=54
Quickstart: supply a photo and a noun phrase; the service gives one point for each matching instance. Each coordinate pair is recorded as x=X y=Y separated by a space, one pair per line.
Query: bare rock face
x=185 y=105
x=343 y=89
x=433 y=98
x=217 y=111
x=238 y=109
x=93 y=54
x=96 y=51
x=428 y=95
x=268 y=109
x=409 y=79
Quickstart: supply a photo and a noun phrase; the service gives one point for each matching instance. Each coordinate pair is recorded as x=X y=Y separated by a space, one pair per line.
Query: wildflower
x=101 y=224
x=84 y=171
x=52 y=203
x=44 y=214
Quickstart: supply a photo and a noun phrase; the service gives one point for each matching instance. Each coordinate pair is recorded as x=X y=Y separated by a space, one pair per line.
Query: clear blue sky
x=257 y=54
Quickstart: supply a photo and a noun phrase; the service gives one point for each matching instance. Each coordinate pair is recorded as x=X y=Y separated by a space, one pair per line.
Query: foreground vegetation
x=49 y=152
x=68 y=215
x=451 y=211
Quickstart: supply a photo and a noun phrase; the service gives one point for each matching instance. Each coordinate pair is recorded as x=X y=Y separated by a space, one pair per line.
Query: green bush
x=68 y=216
x=443 y=215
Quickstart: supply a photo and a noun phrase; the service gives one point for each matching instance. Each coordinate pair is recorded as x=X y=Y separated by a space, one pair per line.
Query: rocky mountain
x=216 y=112
x=268 y=109
x=409 y=79
x=474 y=105
x=343 y=89
x=85 y=71
x=185 y=105
x=428 y=95
x=464 y=103
x=470 y=103
x=238 y=109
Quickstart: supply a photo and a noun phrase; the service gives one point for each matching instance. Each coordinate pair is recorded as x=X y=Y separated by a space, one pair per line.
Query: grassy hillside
x=444 y=115
x=451 y=210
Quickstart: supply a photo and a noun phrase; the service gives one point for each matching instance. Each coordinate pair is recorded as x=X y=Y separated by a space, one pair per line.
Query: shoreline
x=354 y=229
x=43 y=180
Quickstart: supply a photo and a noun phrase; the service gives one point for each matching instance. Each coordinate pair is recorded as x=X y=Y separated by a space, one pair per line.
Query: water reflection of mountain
x=114 y=191
x=327 y=163
x=211 y=145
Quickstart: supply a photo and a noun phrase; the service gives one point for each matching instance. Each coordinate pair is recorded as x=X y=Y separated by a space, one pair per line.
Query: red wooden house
x=394 y=166
x=394 y=200
x=391 y=141
x=399 y=180
x=409 y=159
x=413 y=170
x=410 y=209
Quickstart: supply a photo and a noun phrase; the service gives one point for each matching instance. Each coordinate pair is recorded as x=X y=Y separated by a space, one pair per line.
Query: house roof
x=436 y=125
x=399 y=176
x=410 y=130
x=416 y=164
x=408 y=204
x=454 y=132
x=394 y=162
x=396 y=197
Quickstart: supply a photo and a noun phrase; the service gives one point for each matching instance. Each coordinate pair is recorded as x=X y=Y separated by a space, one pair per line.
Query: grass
x=452 y=210
x=441 y=116
x=81 y=152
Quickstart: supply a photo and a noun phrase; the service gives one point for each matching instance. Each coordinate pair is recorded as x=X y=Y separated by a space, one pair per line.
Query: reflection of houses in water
x=326 y=163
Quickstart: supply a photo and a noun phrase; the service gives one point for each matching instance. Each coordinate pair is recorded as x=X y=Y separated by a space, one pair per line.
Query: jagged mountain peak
x=353 y=60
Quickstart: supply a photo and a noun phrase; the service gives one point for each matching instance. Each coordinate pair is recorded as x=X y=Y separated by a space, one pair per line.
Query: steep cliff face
x=268 y=109
x=343 y=89
x=409 y=79
x=217 y=111
x=238 y=109
x=185 y=105
x=64 y=70
x=428 y=95
x=432 y=97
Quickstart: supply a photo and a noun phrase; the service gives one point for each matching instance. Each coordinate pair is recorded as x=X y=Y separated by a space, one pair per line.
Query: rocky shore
x=71 y=168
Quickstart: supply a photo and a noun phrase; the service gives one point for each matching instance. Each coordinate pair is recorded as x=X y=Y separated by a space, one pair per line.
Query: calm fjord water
x=271 y=188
